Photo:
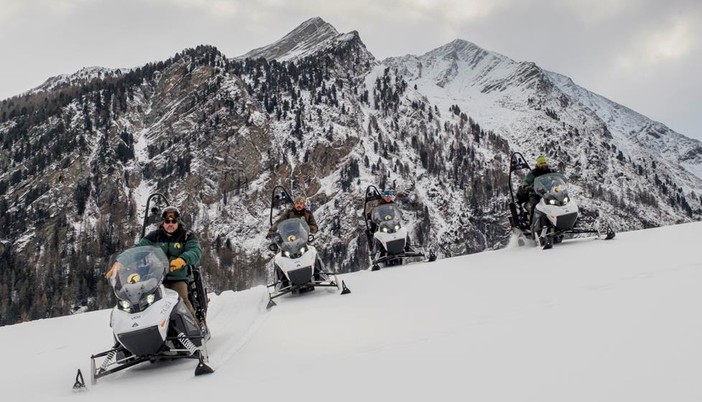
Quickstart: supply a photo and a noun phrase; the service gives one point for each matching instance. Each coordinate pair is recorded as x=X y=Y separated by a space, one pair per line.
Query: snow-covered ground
x=589 y=320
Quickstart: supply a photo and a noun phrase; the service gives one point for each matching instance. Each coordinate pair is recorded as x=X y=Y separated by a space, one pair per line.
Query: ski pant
x=182 y=288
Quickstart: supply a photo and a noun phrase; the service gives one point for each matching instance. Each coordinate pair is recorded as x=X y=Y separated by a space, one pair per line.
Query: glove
x=269 y=236
x=113 y=270
x=177 y=264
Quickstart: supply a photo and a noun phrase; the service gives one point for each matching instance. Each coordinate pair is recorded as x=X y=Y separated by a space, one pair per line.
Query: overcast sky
x=644 y=54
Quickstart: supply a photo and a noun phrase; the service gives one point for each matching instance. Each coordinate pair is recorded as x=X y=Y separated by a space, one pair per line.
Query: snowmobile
x=554 y=216
x=387 y=239
x=150 y=322
x=296 y=266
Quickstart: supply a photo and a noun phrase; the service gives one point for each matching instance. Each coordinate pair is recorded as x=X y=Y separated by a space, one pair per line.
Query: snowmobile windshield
x=386 y=217
x=553 y=183
x=553 y=187
x=292 y=237
x=138 y=272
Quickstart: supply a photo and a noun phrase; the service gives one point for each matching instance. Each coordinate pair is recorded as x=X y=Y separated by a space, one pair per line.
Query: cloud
x=456 y=11
x=674 y=41
x=26 y=8
x=217 y=9
x=10 y=9
x=596 y=11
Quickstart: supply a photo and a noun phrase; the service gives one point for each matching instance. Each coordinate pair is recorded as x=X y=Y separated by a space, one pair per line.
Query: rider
x=525 y=192
x=388 y=197
x=298 y=210
x=182 y=249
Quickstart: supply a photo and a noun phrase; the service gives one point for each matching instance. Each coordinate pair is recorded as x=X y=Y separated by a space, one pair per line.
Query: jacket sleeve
x=193 y=251
x=528 y=180
x=285 y=215
x=146 y=240
x=312 y=223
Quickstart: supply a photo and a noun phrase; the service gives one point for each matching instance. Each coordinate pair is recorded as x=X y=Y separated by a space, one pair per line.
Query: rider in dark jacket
x=388 y=197
x=525 y=192
x=297 y=211
x=180 y=246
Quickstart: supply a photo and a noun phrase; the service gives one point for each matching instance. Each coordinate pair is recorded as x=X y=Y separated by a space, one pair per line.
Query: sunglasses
x=170 y=220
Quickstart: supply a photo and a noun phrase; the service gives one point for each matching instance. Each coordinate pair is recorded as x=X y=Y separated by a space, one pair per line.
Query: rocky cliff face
x=317 y=113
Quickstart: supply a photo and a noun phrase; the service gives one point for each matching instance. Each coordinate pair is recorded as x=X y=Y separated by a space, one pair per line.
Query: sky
x=589 y=320
x=644 y=54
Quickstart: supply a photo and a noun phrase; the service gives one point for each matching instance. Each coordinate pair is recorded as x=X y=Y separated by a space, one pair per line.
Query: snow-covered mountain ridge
x=81 y=77
x=326 y=119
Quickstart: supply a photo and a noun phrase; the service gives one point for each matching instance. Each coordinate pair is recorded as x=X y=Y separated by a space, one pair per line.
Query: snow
x=589 y=320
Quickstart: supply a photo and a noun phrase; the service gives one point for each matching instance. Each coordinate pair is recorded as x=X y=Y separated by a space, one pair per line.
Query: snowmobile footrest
x=102 y=373
x=408 y=254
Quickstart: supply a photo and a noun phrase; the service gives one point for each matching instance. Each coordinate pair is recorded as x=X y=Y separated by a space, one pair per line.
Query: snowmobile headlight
x=552 y=201
x=146 y=301
x=303 y=249
x=125 y=305
x=397 y=227
x=566 y=200
x=384 y=229
x=287 y=253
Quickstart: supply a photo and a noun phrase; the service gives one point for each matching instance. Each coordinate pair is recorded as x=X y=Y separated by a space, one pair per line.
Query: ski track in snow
x=232 y=332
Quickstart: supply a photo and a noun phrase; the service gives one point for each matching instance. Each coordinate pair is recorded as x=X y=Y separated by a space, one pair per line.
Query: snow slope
x=589 y=320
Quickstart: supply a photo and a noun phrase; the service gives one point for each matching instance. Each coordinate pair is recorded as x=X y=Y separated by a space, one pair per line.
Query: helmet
x=170 y=210
x=300 y=198
x=541 y=160
x=389 y=193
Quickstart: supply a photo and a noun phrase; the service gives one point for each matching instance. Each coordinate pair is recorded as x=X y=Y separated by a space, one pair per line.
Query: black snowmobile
x=297 y=268
x=150 y=322
x=388 y=240
x=554 y=216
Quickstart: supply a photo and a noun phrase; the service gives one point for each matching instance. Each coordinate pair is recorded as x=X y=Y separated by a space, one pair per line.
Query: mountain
x=594 y=321
x=541 y=111
x=645 y=134
x=323 y=118
x=81 y=77
x=312 y=36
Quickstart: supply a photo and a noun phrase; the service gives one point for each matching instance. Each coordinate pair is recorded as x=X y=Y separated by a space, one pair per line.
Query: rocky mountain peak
x=299 y=42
